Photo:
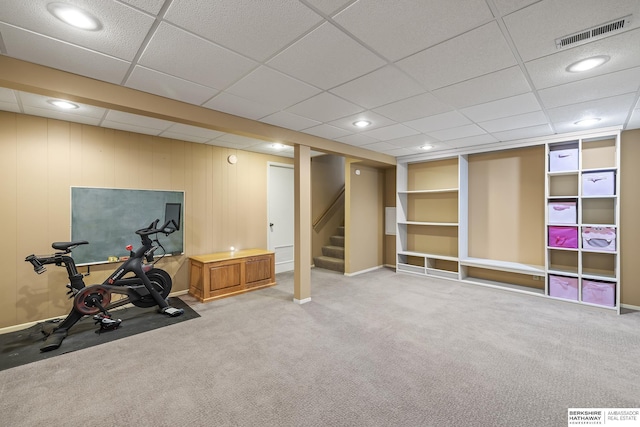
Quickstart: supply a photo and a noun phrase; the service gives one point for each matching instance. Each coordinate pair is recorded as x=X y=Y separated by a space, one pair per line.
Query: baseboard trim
x=302 y=301
x=179 y=293
x=364 y=271
x=630 y=307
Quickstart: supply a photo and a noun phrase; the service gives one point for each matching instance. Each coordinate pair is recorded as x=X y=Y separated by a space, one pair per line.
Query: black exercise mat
x=22 y=347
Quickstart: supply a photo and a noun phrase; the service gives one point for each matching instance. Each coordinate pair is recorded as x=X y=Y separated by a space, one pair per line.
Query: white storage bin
x=598 y=183
x=563 y=160
x=599 y=238
x=562 y=213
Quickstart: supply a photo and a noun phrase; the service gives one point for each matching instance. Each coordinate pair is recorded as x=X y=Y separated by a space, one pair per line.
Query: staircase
x=333 y=254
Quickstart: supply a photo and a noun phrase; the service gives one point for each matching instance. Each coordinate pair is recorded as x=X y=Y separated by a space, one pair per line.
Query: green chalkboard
x=107 y=218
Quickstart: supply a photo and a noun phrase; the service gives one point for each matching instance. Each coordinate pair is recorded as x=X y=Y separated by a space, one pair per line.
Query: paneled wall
x=40 y=159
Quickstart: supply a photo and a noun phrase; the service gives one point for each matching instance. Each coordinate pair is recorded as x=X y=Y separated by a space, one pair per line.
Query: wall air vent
x=594 y=33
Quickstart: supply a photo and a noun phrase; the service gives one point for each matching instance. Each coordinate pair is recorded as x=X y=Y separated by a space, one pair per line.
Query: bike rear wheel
x=161 y=282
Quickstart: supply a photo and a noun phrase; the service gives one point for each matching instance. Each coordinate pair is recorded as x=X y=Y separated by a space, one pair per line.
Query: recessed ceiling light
x=66 y=105
x=426 y=147
x=362 y=123
x=74 y=16
x=587 y=64
x=587 y=122
x=278 y=146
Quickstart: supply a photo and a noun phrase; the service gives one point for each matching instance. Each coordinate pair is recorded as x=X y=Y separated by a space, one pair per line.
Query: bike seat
x=65 y=246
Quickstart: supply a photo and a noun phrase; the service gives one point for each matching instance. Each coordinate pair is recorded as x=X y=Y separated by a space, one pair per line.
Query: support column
x=302 y=225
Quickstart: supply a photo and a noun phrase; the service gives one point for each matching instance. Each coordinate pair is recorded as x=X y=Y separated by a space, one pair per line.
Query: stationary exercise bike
x=146 y=287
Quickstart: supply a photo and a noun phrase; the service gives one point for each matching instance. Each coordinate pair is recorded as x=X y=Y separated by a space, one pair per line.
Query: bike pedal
x=172 y=311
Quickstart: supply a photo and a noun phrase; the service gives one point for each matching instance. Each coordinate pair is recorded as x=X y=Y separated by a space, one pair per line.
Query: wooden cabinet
x=224 y=274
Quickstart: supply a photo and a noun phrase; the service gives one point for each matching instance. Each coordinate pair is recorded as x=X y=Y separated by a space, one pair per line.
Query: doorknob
x=270 y=224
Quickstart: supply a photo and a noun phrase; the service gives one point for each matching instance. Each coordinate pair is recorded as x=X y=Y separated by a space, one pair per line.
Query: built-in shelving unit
x=465 y=218
x=427 y=218
x=582 y=221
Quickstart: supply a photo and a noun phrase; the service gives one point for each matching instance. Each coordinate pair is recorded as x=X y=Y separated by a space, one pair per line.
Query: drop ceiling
x=450 y=74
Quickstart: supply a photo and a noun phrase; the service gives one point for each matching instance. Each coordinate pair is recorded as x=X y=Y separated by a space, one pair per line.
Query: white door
x=281 y=215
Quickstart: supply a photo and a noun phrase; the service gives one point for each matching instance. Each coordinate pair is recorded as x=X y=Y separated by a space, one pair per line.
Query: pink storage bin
x=598 y=183
x=599 y=238
x=563 y=160
x=563 y=287
x=600 y=293
x=562 y=212
x=563 y=237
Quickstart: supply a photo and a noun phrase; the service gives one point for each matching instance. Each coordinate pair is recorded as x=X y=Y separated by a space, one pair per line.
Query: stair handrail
x=335 y=201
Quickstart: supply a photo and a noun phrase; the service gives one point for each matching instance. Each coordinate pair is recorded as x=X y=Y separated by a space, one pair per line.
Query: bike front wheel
x=161 y=282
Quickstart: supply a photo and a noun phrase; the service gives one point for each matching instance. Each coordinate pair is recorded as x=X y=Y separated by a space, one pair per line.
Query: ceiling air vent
x=594 y=33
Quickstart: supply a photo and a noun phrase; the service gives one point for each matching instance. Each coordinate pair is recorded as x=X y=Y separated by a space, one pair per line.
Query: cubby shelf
x=434 y=208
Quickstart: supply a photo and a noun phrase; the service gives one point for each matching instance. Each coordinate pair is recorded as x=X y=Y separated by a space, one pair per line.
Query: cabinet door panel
x=258 y=271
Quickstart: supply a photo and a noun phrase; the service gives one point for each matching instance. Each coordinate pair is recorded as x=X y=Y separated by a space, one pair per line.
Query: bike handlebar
x=167 y=228
x=37 y=265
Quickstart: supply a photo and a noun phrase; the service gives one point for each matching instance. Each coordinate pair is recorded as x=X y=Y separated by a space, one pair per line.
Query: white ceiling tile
x=269 y=87
x=194 y=131
x=233 y=104
x=396 y=152
x=158 y=83
x=511 y=106
x=129 y=127
x=613 y=119
x=391 y=132
x=357 y=139
x=180 y=54
x=377 y=121
x=507 y=6
x=328 y=7
x=490 y=87
x=61 y=115
x=413 y=108
x=472 y=141
x=326 y=57
x=634 y=121
x=326 y=131
x=123 y=28
x=289 y=121
x=457 y=132
x=514 y=122
x=151 y=6
x=236 y=140
x=8 y=106
x=137 y=120
x=380 y=87
x=535 y=28
x=257 y=29
x=591 y=89
x=400 y=28
x=325 y=107
x=469 y=55
x=607 y=110
x=7 y=95
x=183 y=137
x=624 y=51
x=40 y=102
x=379 y=146
x=267 y=148
x=412 y=141
x=523 y=133
x=42 y=50
x=439 y=121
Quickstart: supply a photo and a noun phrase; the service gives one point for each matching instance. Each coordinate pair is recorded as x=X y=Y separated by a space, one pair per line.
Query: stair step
x=341 y=230
x=333 y=251
x=337 y=241
x=329 y=263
